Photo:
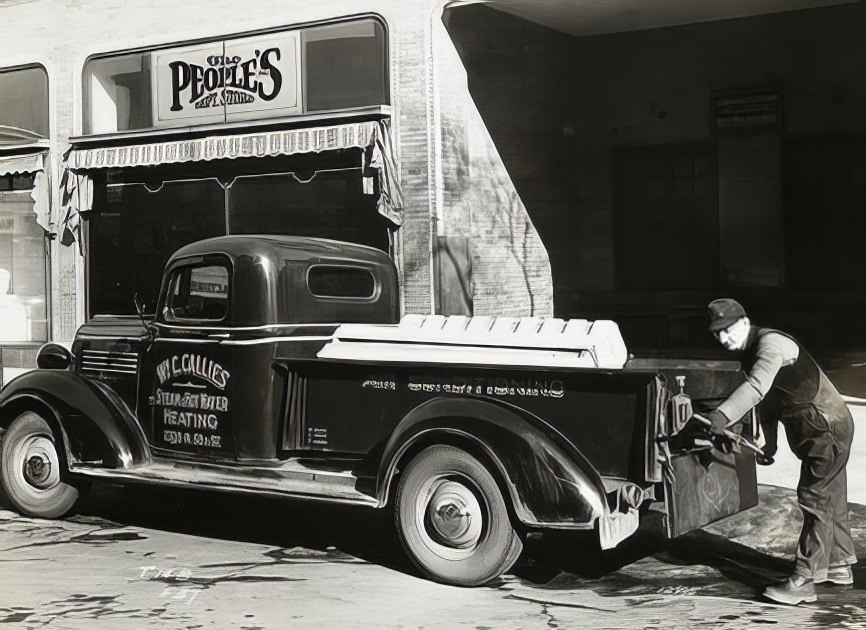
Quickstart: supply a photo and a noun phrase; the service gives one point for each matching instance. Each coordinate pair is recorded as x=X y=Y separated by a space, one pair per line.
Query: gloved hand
x=760 y=440
x=718 y=422
x=722 y=443
x=768 y=457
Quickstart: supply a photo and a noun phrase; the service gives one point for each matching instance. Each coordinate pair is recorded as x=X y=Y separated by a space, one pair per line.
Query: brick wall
x=510 y=267
x=410 y=41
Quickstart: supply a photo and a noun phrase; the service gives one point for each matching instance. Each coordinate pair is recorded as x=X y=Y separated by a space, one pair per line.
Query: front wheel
x=452 y=519
x=30 y=469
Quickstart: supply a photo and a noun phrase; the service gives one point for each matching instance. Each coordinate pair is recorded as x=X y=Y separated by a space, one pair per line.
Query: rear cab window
x=198 y=292
x=342 y=282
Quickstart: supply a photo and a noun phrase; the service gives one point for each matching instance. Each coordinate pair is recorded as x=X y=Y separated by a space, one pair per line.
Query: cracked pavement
x=147 y=558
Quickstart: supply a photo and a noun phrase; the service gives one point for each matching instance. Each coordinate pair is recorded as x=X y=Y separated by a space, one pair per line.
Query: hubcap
x=454 y=515
x=39 y=463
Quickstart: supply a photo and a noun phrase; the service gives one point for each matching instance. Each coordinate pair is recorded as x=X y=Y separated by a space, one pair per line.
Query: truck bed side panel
x=351 y=408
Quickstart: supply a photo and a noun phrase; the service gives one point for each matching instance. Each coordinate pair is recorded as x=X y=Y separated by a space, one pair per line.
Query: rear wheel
x=30 y=469
x=452 y=519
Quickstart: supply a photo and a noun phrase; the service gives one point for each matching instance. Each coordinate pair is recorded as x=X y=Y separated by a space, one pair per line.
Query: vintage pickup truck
x=280 y=365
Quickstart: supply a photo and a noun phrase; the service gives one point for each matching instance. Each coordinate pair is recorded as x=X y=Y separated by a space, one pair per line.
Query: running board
x=291 y=479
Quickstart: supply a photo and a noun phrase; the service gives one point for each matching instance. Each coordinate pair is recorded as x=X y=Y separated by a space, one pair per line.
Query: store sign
x=746 y=108
x=230 y=80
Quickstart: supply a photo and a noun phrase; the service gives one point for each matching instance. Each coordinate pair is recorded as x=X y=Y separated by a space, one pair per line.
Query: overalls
x=819 y=428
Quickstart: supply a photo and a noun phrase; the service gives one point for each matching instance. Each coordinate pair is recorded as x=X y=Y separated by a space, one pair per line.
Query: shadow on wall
x=509 y=262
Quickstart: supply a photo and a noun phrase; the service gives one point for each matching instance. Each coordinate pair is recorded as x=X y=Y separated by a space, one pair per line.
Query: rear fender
x=550 y=483
x=94 y=421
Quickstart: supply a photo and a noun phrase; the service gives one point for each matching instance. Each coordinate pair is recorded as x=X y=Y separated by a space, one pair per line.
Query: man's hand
x=760 y=440
x=768 y=457
x=722 y=443
x=718 y=422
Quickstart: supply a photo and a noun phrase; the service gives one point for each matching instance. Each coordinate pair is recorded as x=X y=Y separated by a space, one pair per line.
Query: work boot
x=794 y=590
x=841 y=575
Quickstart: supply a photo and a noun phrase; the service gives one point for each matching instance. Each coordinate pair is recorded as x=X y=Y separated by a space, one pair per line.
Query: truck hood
x=115 y=326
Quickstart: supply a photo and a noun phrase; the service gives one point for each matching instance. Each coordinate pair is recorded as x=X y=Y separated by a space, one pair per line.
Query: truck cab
x=232 y=313
x=280 y=365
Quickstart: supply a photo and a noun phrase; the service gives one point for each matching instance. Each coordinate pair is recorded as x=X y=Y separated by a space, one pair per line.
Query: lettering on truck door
x=189 y=372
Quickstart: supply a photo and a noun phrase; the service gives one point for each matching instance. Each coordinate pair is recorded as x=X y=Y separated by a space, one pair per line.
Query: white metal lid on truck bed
x=519 y=341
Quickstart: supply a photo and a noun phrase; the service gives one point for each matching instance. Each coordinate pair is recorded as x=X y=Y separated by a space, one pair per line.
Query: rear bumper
x=615 y=527
x=622 y=519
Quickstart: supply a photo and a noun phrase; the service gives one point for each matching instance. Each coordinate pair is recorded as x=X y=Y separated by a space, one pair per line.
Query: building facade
x=129 y=130
x=598 y=160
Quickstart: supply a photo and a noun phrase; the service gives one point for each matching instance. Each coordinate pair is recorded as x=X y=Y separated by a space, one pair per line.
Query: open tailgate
x=706 y=486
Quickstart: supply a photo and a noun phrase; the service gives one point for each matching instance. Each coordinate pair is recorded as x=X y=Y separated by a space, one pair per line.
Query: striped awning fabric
x=372 y=137
x=20 y=164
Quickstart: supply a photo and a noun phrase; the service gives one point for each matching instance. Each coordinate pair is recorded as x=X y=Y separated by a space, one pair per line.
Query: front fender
x=550 y=483
x=86 y=410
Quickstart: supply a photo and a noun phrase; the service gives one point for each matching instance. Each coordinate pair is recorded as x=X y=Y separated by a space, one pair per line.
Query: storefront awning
x=21 y=164
x=27 y=164
x=373 y=137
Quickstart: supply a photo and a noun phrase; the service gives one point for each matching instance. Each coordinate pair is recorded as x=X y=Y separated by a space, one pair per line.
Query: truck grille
x=96 y=361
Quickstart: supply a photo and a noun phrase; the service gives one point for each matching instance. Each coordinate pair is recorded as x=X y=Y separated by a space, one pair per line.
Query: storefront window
x=327 y=205
x=117 y=93
x=666 y=217
x=276 y=74
x=136 y=225
x=23 y=105
x=138 y=228
x=345 y=66
x=23 y=313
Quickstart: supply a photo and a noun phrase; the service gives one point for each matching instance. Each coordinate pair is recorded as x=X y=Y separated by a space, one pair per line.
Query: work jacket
x=784 y=377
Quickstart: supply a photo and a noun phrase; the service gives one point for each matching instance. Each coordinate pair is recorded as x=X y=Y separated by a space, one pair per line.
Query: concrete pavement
x=196 y=561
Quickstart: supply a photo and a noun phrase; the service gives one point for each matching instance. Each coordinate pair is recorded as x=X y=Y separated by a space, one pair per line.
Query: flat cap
x=723 y=312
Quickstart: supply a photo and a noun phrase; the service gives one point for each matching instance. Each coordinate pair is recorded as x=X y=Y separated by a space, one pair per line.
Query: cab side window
x=197 y=293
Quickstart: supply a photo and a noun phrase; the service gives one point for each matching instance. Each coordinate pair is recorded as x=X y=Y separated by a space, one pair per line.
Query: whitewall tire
x=453 y=520
x=30 y=469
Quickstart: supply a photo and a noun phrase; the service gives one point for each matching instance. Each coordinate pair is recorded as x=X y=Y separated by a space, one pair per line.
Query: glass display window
x=23 y=308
